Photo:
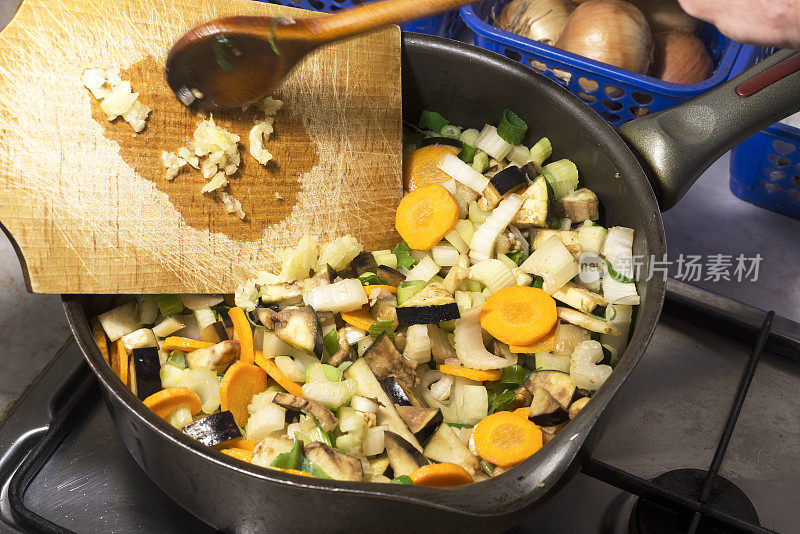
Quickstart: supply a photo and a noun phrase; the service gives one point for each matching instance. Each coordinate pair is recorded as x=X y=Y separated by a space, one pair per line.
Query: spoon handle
x=377 y=14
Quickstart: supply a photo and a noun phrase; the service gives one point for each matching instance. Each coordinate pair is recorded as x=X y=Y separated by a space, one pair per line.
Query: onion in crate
x=609 y=31
x=681 y=57
x=539 y=20
x=666 y=15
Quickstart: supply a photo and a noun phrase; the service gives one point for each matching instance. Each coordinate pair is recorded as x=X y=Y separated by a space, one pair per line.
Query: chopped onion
x=483 y=240
x=205 y=317
x=374 y=441
x=618 y=292
x=445 y=255
x=461 y=172
x=290 y=368
x=553 y=262
x=345 y=295
x=168 y=326
x=299 y=261
x=354 y=335
x=492 y=273
x=363 y=404
x=619 y=315
x=268 y=419
x=206 y=384
x=441 y=388
x=196 y=302
x=618 y=242
x=490 y=142
x=424 y=270
x=120 y=321
x=139 y=339
x=469 y=344
x=418 y=344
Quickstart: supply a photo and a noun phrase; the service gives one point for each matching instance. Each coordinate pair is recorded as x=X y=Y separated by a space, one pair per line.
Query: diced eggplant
x=568 y=237
x=608 y=356
x=385 y=361
x=222 y=331
x=446 y=446
x=282 y=292
x=147 y=368
x=509 y=180
x=215 y=358
x=449 y=141
x=298 y=327
x=432 y=304
x=577 y=406
x=549 y=432
x=404 y=458
x=270 y=447
x=209 y=334
x=214 y=429
x=545 y=410
x=344 y=353
x=422 y=422
x=379 y=466
x=537 y=205
x=490 y=198
x=363 y=263
x=327 y=421
x=582 y=205
x=522 y=399
x=385 y=309
x=392 y=276
x=395 y=392
x=335 y=464
x=558 y=384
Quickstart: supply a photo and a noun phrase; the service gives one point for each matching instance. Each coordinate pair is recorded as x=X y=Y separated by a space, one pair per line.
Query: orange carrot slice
x=120 y=361
x=425 y=216
x=277 y=375
x=298 y=473
x=163 y=402
x=522 y=412
x=360 y=318
x=241 y=381
x=441 y=475
x=473 y=374
x=519 y=315
x=242 y=332
x=421 y=166
x=544 y=344
x=184 y=343
x=100 y=338
x=506 y=439
x=241 y=454
x=237 y=443
x=391 y=289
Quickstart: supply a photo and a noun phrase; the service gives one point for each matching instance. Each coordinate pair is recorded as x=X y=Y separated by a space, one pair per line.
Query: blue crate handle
x=677 y=145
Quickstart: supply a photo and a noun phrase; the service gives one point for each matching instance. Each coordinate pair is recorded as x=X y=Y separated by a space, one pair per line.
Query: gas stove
x=716 y=392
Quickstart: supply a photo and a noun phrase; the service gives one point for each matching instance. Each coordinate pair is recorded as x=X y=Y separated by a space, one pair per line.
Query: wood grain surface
x=86 y=200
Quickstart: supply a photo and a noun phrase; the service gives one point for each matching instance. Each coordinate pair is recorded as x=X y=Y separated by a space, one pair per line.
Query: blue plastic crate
x=765 y=169
x=616 y=94
x=445 y=25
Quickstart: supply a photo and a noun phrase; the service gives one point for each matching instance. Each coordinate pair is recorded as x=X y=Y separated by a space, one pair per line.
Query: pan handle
x=677 y=145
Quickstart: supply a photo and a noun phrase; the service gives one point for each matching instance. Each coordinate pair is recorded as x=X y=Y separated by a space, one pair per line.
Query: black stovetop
x=671 y=414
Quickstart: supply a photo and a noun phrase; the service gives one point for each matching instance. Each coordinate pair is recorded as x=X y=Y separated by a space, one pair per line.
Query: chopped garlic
x=116 y=97
x=210 y=138
x=232 y=205
x=219 y=181
x=189 y=157
x=269 y=105
x=246 y=295
x=258 y=137
x=137 y=115
x=95 y=81
x=173 y=163
x=119 y=101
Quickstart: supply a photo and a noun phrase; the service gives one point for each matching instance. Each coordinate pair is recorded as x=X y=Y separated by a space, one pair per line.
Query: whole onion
x=666 y=15
x=539 y=20
x=609 y=31
x=681 y=57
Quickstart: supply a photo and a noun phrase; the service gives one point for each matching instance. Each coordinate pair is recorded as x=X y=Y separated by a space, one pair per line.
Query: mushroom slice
x=215 y=358
x=298 y=327
x=327 y=421
x=335 y=464
x=385 y=361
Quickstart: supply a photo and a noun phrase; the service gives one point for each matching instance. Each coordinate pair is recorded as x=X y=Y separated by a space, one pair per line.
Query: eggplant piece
x=335 y=464
x=215 y=358
x=392 y=276
x=549 y=432
x=404 y=458
x=449 y=141
x=345 y=352
x=545 y=410
x=221 y=330
x=579 y=206
x=577 y=406
x=608 y=356
x=396 y=392
x=522 y=399
x=327 y=421
x=147 y=369
x=490 y=198
x=433 y=304
x=270 y=447
x=537 y=205
x=385 y=361
x=557 y=383
x=363 y=263
x=422 y=422
x=297 y=327
x=214 y=429
x=385 y=309
x=446 y=446
x=509 y=180
x=282 y=292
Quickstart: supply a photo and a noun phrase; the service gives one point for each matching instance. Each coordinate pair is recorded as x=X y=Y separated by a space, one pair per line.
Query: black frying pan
x=471 y=86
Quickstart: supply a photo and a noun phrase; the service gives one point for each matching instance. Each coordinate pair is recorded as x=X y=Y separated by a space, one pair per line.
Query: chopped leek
x=511 y=128
x=424 y=270
x=591 y=238
x=519 y=155
x=480 y=162
x=493 y=273
x=455 y=239
x=403 y=253
x=553 y=262
x=538 y=282
x=467 y=154
x=380 y=327
x=312 y=469
x=551 y=362
x=466 y=230
x=617 y=276
x=517 y=257
x=541 y=151
x=330 y=342
x=469 y=136
x=482 y=242
x=445 y=255
x=499 y=401
x=345 y=295
x=430 y=120
x=453 y=132
x=405 y=480
x=408 y=289
x=508 y=262
x=463 y=173
x=168 y=304
x=322 y=372
x=288 y=460
x=476 y=215
x=562 y=176
x=177 y=358
x=371 y=279
x=493 y=144
x=515 y=374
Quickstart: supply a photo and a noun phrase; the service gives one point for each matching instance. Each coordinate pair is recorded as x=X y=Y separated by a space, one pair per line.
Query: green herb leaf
x=380 y=327
x=288 y=460
x=312 y=469
x=538 y=281
x=586 y=311
x=518 y=257
x=621 y=278
x=330 y=342
x=430 y=120
x=515 y=374
x=511 y=128
x=403 y=253
x=371 y=279
x=404 y=479
x=501 y=400
x=460 y=425
x=168 y=304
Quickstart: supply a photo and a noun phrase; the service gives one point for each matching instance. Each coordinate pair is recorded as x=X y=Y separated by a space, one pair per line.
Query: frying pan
x=472 y=86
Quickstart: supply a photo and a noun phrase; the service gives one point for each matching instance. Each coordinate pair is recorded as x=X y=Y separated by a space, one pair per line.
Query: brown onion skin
x=539 y=20
x=681 y=57
x=609 y=31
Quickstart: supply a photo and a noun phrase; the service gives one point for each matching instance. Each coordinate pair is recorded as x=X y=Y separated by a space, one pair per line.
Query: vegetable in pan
x=449 y=359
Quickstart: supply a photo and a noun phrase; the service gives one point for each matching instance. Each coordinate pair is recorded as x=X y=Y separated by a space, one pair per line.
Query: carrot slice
x=522 y=412
x=243 y=332
x=360 y=318
x=519 y=315
x=120 y=361
x=545 y=344
x=277 y=375
x=506 y=439
x=421 y=166
x=100 y=338
x=184 y=343
x=163 y=402
x=425 y=216
x=473 y=374
x=441 y=475
x=241 y=454
x=390 y=289
x=241 y=381
x=237 y=443
x=298 y=472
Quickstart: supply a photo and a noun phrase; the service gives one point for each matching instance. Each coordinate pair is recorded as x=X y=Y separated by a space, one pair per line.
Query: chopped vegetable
x=505 y=439
x=291 y=459
x=430 y=120
x=243 y=332
x=168 y=304
x=443 y=475
x=541 y=151
x=184 y=344
x=403 y=253
x=360 y=318
x=454 y=168
x=269 y=366
x=426 y=215
x=405 y=480
x=214 y=429
x=472 y=374
x=166 y=400
x=421 y=167
x=515 y=375
x=483 y=240
x=563 y=177
x=553 y=262
x=345 y=295
x=240 y=454
x=469 y=344
x=408 y=289
x=511 y=128
x=100 y=338
x=519 y=315
x=120 y=362
x=492 y=143
x=242 y=380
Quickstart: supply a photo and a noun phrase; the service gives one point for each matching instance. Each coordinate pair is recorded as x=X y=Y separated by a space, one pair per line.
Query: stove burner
x=726 y=497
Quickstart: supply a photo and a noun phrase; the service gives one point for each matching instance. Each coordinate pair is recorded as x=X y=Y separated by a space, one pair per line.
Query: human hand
x=763 y=22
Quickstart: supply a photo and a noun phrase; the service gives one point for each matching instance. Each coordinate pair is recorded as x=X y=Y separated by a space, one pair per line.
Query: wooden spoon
x=234 y=61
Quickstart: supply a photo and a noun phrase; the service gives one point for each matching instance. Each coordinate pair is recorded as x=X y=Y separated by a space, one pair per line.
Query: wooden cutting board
x=87 y=201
